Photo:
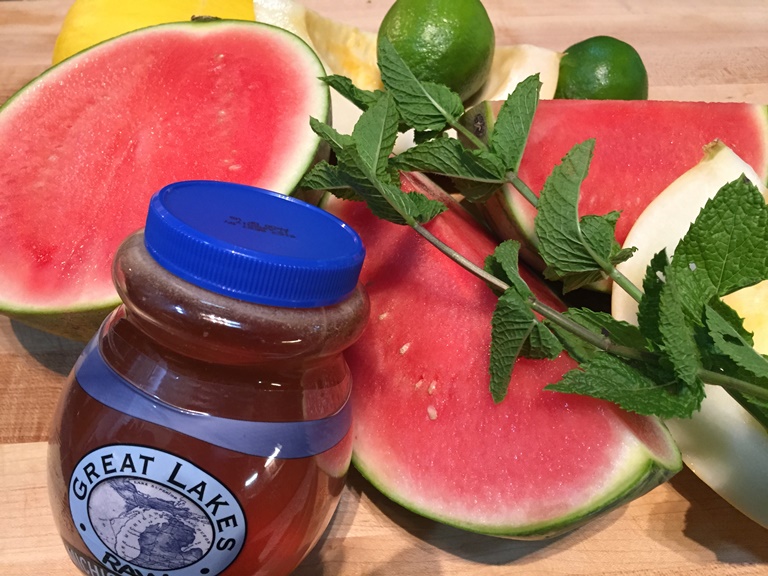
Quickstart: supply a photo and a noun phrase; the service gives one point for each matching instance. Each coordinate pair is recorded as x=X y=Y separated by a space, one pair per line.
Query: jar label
x=264 y=439
x=144 y=511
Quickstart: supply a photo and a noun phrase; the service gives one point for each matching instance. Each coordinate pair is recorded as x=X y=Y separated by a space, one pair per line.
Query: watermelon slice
x=426 y=431
x=84 y=146
x=641 y=147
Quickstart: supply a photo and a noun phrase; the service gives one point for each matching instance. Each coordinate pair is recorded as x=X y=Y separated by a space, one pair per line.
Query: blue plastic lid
x=253 y=244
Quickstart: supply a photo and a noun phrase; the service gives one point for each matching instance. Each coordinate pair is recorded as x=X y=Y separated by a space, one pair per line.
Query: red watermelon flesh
x=641 y=147
x=426 y=431
x=84 y=146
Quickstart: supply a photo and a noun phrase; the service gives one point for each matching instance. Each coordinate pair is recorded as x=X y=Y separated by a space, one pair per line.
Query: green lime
x=602 y=68
x=447 y=42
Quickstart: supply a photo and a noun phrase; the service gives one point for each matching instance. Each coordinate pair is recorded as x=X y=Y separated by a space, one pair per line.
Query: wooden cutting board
x=704 y=50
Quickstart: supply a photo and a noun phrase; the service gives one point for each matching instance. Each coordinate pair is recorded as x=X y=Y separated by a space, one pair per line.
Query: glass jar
x=205 y=429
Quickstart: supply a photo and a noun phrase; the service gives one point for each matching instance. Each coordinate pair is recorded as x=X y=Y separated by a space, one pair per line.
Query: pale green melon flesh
x=723 y=444
x=84 y=146
x=427 y=432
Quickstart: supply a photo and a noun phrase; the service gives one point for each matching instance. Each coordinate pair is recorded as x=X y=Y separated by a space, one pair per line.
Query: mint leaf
x=476 y=173
x=649 y=307
x=323 y=176
x=729 y=342
x=503 y=263
x=345 y=173
x=384 y=199
x=631 y=385
x=422 y=208
x=678 y=342
x=423 y=106
x=726 y=248
x=557 y=222
x=372 y=139
x=341 y=144
x=513 y=122
x=336 y=140
x=575 y=250
x=374 y=135
x=541 y=343
x=511 y=325
x=601 y=324
x=363 y=99
x=732 y=317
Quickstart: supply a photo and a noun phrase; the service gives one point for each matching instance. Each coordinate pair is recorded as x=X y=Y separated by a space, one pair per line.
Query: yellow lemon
x=89 y=22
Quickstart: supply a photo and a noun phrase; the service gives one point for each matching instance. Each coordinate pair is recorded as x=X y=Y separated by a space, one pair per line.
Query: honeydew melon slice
x=722 y=444
x=426 y=430
x=84 y=146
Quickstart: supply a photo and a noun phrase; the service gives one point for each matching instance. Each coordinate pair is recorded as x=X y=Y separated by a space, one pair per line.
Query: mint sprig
x=685 y=335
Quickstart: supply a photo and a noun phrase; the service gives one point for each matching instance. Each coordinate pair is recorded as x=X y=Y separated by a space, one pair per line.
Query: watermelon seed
x=432 y=412
x=405 y=347
x=419 y=383
x=432 y=386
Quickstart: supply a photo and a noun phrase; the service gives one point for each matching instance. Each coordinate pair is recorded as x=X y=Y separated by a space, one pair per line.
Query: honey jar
x=206 y=428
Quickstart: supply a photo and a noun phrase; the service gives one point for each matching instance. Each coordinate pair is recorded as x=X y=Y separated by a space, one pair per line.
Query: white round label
x=142 y=510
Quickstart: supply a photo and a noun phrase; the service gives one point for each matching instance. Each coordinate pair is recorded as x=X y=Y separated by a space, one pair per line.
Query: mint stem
x=459 y=259
x=625 y=283
x=729 y=382
x=467 y=133
x=523 y=189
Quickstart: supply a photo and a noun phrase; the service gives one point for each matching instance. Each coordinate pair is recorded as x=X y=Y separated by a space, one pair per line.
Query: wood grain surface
x=703 y=50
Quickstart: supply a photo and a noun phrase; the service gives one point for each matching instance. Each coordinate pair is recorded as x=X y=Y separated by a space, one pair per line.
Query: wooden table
x=702 y=50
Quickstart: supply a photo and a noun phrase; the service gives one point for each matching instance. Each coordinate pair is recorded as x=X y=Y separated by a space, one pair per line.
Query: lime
x=448 y=42
x=602 y=68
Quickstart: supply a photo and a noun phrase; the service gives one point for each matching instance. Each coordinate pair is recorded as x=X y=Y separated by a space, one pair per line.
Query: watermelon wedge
x=84 y=146
x=641 y=147
x=426 y=431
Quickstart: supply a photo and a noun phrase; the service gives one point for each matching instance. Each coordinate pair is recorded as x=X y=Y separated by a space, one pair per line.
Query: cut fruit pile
x=723 y=444
x=84 y=146
x=427 y=432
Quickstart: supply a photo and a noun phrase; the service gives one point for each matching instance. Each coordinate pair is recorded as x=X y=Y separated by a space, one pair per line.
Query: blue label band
x=265 y=439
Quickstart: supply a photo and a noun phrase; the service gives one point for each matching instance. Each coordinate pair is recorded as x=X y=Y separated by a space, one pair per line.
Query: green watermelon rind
x=79 y=321
x=75 y=324
x=643 y=475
